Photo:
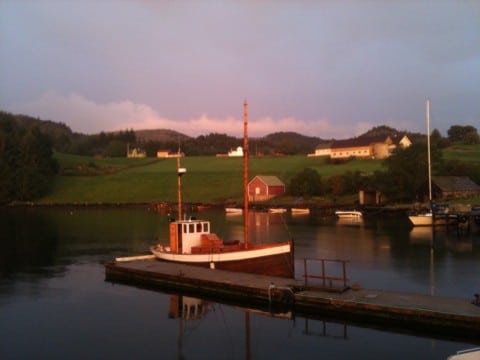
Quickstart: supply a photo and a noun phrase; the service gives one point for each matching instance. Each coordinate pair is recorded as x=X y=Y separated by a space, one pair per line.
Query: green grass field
x=467 y=153
x=208 y=178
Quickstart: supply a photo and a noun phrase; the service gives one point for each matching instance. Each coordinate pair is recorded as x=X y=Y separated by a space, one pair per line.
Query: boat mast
x=245 y=173
x=180 y=172
x=428 y=154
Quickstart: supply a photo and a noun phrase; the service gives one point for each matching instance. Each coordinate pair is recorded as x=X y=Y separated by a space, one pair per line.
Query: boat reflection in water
x=195 y=316
x=187 y=308
x=421 y=235
x=350 y=221
x=441 y=238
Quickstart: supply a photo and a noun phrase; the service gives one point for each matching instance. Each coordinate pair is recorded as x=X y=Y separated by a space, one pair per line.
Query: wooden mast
x=179 y=187
x=180 y=172
x=428 y=155
x=245 y=173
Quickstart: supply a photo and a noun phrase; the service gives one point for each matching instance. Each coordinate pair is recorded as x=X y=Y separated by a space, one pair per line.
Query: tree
x=437 y=140
x=306 y=183
x=463 y=134
x=407 y=172
x=116 y=148
x=472 y=137
x=26 y=161
x=337 y=185
x=37 y=166
x=9 y=157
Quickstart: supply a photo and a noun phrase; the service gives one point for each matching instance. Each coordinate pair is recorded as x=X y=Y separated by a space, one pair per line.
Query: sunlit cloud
x=86 y=116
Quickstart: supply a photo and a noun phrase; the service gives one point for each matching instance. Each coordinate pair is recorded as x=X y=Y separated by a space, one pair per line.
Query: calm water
x=55 y=303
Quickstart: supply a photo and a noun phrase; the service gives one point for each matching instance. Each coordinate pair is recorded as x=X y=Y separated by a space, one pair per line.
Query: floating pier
x=450 y=318
x=457 y=217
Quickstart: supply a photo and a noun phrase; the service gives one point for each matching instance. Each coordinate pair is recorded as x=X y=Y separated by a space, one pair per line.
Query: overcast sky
x=331 y=69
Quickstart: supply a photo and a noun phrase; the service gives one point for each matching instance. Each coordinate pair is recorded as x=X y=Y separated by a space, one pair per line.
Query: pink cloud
x=86 y=116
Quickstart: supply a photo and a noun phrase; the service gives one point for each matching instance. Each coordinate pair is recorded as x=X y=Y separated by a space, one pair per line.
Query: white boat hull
x=353 y=214
x=273 y=260
x=277 y=210
x=469 y=354
x=421 y=220
x=221 y=257
x=234 y=211
x=300 y=211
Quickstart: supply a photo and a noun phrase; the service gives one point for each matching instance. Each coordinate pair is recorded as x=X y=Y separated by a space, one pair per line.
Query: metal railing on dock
x=338 y=281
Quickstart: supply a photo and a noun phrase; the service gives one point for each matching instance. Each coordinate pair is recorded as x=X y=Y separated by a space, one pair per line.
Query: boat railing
x=326 y=274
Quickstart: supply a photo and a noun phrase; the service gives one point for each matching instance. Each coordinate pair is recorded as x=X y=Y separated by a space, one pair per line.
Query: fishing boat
x=425 y=218
x=348 y=214
x=192 y=242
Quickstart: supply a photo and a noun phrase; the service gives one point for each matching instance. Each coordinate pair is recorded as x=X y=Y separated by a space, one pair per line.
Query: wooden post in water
x=245 y=173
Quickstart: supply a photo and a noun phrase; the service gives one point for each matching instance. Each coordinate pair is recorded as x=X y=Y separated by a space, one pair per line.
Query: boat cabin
x=194 y=237
x=185 y=234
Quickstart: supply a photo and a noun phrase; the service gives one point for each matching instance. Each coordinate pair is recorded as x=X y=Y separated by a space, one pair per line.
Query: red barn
x=264 y=187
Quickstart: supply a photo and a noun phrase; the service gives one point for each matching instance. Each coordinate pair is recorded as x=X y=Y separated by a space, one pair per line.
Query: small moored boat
x=300 y=211
x=234 y=211
x=348 y=214
x=422 y=219
x=277 y=210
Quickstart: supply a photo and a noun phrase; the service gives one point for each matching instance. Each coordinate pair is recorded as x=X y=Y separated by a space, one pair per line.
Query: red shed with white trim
x=264 y=187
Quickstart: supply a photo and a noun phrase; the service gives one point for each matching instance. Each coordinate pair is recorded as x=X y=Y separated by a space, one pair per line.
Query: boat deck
x=452 y=318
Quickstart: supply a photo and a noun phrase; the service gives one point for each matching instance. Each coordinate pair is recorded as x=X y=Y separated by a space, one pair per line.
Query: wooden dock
x=444 y=317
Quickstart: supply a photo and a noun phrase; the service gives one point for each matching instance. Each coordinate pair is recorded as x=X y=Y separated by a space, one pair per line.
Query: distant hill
x=279 y=137
x=59 y=133
x=291 y=142
x=161 y=135
x=384 y=130
x=275 y=143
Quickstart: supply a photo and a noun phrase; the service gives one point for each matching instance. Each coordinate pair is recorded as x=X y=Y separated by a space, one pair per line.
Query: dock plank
x=446 y=315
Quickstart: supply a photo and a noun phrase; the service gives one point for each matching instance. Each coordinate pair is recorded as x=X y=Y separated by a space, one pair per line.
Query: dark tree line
x=27 y=166
x=285 y=143
x=463 y=134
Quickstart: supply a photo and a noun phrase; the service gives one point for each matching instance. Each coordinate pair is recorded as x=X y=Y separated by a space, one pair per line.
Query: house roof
x=270 y=180
x=455 y=183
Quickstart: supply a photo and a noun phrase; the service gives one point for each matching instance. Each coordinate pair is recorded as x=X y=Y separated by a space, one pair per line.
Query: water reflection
x=23 y=252
x=54 y=299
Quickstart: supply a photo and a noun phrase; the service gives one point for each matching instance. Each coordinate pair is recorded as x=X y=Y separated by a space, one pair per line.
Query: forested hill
x=116 y=143
x=384 y=130
x=162 y=135
x=296 y=142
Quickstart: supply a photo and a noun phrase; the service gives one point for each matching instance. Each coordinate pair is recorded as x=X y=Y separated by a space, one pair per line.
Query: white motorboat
x=349 y=214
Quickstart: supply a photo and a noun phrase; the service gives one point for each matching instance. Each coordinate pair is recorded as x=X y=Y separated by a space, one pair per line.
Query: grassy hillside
x=88 y=180
x=208 y=178
x=467 y=153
